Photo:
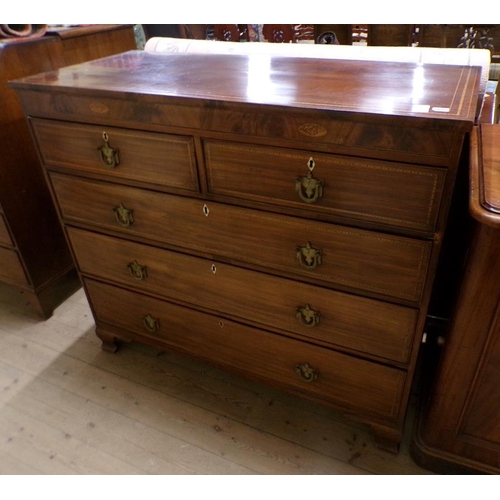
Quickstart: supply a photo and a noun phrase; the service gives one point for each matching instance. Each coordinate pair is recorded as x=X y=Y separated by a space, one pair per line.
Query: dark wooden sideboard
x=35 y=255
x=276 y=216
x=459 y=429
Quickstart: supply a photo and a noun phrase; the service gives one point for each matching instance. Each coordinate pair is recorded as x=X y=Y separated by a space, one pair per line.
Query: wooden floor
x=67 y=407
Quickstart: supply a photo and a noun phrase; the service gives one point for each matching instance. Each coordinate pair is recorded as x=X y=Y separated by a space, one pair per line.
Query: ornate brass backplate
x=307 y=316
x=309 y=188
x=124 y=216
x=308 y=256
x=137 y=271
x=108 y=155
x=306 y=372
x=151 y=324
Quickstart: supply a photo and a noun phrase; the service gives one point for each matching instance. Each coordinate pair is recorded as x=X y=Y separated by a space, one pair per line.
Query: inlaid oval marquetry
x=312 y=130
x=99 y=107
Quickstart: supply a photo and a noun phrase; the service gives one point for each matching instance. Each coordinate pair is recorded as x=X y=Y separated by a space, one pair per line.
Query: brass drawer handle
x=108 y=155
x=124 y=216
x=307 y=373
x=309 y=188
x=308 y=256
x=307 y=316
x=151 y=324
x=137 y=271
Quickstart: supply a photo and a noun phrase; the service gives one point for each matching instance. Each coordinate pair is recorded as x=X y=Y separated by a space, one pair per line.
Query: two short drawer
x=363 y=325
x=359 y=259
x=360 y=385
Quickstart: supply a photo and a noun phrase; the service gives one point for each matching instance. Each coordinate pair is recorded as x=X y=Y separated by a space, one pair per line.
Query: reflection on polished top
x=382 y=88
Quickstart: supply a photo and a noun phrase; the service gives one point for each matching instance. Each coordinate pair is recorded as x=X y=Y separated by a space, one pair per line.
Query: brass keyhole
x=214 y=268
x=206 y=211
x=311 y=164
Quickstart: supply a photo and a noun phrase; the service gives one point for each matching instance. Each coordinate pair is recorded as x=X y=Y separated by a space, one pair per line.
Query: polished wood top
x=381 y=88
x=485 y=174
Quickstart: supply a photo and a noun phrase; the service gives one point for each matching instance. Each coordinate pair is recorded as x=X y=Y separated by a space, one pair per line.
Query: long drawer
x=5 y=238
x=368 y=326
x=363 y=260
x=163 y=159
x=11 y=269
x=389 y=193
x=361 y=385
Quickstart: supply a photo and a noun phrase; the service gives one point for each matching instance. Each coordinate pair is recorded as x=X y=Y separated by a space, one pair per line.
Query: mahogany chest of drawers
x=279 y=217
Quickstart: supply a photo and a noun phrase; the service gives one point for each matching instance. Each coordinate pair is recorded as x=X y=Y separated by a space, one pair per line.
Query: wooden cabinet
x=35 y=255
x=460 y=427
x=252 y=212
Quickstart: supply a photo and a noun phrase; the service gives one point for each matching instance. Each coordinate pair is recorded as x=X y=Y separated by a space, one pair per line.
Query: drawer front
x=166 y=160
x=11 y=268
x=365 y=325
x=359 y=259
x=342 y=379
x=386 y=193
x=5 y=238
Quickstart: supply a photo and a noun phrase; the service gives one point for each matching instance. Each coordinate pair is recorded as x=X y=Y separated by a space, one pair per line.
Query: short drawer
x=12 y=269
x=359 y=259
x=357 y=384
x=361 y=324
x=5 y=238
x=162 y=159
x=393 y=194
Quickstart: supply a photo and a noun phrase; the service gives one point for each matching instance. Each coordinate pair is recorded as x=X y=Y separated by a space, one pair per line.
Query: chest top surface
x=366 y=88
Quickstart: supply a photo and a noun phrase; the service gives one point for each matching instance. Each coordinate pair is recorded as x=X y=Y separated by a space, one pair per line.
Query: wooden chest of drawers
x=279 y=217
x=34 y=255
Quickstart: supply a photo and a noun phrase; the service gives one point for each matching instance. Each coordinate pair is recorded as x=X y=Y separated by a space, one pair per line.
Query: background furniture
x=174 y=30
x=395 y=35
x=231 y=32
x=460 y=427
x=35 y=256
x=279 y=33
x=377 y=35
x=292 y=237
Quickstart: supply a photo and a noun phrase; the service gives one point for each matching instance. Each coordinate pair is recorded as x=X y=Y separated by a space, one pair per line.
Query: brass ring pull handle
x=308 y=256
x=108 y=155
x=151 y=324
x=310 y=189
x=307 y=373
x=137 y=271
x=307 y=316
x=124 y=216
